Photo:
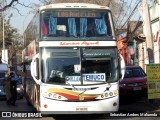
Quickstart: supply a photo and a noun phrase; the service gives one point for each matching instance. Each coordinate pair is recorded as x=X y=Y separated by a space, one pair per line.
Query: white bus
x=73 y=60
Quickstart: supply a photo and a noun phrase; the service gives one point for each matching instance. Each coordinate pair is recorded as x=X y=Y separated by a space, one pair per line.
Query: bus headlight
x=59 y=97
x=102 y=96
x=53 y=96
x=111 y=93
x=108 y=94
x=50 y=95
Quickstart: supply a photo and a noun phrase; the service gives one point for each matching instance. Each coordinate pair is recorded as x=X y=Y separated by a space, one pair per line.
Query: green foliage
x=10 y=33
x=11 y=37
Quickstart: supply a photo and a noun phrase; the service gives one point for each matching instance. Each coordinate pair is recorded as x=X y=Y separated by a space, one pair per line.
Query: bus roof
x=73 y=5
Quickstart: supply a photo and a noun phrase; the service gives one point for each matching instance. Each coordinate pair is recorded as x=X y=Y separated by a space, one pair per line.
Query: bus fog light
x=45 y=106
x=114 y=104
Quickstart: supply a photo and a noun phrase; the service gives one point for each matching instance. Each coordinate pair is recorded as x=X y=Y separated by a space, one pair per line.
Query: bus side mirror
x=35 y=69
x=122 y=67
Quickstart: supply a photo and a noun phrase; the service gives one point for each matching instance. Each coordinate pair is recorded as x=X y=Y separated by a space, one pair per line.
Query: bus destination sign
x=77 y=14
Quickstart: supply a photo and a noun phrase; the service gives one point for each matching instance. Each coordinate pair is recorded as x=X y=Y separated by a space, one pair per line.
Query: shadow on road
x=139 y=105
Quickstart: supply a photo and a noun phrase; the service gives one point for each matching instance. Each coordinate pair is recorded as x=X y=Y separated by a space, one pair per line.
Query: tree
x=12 y=39
x=3 y=8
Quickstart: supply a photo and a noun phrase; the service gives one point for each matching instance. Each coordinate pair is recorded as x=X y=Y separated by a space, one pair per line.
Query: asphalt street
x=130 y=109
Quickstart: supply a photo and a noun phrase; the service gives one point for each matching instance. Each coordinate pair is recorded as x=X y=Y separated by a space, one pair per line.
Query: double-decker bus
x=71 y=61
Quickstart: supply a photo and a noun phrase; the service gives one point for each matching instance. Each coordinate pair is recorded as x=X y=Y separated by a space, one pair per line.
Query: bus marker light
x=114 y=104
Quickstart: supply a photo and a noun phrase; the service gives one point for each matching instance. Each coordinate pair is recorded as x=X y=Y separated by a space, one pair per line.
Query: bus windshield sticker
x=87 y=77
x=73 y=78
x=77 y=68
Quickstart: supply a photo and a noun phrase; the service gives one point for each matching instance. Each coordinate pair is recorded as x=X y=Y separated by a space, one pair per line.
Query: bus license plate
x=81 y=109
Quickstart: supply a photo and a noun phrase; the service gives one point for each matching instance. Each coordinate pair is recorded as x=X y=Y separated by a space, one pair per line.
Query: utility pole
x=159 y=12
x=3 y=50
x=148 y=31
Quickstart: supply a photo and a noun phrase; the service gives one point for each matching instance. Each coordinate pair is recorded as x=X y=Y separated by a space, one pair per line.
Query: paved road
x=133 y=108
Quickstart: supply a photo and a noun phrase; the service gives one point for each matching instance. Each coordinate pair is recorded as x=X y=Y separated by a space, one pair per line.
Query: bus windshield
x=82 y=23
x=80 y=66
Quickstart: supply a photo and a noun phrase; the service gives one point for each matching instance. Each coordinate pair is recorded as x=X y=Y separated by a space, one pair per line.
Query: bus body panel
x=107 y=104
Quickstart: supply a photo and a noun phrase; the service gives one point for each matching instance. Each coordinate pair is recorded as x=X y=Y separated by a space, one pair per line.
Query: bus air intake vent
x=61 y=54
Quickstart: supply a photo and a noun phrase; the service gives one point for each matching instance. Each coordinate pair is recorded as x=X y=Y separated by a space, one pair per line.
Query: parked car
x=134 y=82
x=3 y=71
x=19 y=85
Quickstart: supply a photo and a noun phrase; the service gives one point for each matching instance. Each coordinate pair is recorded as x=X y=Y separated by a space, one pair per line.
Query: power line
x=131 y=14
x=119 y=12
x=126 y=12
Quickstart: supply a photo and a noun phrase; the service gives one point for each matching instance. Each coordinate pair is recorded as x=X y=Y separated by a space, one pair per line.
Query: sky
x=21 y=21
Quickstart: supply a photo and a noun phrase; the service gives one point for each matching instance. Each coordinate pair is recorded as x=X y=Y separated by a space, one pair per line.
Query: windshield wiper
x=82 y=92
x=107 y=88
x=71 y=85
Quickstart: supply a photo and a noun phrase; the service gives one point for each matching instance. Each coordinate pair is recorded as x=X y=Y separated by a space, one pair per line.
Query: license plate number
x=137 y=88
x=81 y=109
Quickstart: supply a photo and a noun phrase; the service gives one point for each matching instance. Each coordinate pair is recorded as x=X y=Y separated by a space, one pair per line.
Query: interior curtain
x=52 y=25
x=72 y=27
x=44 y=28
x=101 y=26
x=83 y=27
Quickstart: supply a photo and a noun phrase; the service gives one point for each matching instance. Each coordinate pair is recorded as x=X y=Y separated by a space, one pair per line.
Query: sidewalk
x=141 y=106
